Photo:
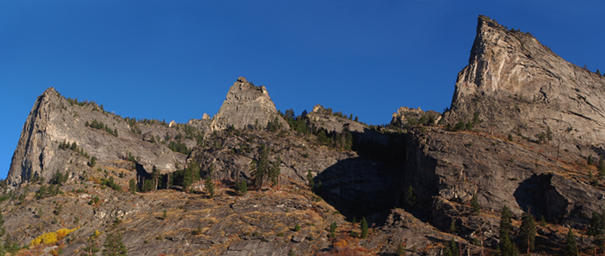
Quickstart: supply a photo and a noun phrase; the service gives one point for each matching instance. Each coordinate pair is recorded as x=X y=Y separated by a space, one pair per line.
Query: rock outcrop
x=324 y=118
x=90 y=132
x=246 y=106
x=519 y=86
x=409 y=117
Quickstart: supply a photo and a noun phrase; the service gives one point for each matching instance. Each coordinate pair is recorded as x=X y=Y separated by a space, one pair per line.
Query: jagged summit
x=246 y=105
x=520 y=87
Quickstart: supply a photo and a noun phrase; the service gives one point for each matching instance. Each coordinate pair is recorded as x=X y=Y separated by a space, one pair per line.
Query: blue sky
x=175 y=60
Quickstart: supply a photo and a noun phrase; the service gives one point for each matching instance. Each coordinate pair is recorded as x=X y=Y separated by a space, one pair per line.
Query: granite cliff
x=520 y=87
x=520 y=128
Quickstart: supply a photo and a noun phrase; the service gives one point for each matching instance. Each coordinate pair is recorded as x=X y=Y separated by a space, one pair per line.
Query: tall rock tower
x=246 y=106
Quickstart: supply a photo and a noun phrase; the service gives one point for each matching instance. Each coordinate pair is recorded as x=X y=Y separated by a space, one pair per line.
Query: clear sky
x=175 y=60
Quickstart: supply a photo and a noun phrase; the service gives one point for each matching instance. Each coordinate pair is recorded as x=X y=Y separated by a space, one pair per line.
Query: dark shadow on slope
x=537 y=195
x=379 y=179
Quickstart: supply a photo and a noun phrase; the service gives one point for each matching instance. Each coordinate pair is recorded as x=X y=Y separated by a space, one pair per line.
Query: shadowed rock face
x=519 y=86
x=246 y=106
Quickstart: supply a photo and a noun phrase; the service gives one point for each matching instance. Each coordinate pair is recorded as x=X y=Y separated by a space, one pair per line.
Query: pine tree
x=274 y=172
x=452 y=228
x=476 y=208
x=332 y=230
x=506 y=246
x=410 y=197
x=209 y=186
x=310 y=179
x=527 y=236
x=571 y=248
x=261 y=167
x=452 y=249
x=364 y=228
x=91 y=247
x=596 y=229
x=2 y=230
x=132 y=186
x=114 y=246
x=242 y=187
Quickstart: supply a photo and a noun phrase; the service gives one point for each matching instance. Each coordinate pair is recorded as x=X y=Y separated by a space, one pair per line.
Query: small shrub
x=92 y=162
x=111 y=184
x=332 y=230
x=242 y=187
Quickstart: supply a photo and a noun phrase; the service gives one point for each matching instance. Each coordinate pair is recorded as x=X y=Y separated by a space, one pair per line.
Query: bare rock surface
x=246 y=106
x=55 y=120
x=519 y=86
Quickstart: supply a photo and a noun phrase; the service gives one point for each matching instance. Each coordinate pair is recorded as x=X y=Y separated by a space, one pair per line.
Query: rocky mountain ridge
x=505 y=141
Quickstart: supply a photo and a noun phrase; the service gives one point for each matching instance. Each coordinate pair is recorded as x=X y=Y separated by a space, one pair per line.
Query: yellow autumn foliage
x=51 y=237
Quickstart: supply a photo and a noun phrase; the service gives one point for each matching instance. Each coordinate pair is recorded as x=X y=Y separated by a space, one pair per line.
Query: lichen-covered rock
x=246 y=106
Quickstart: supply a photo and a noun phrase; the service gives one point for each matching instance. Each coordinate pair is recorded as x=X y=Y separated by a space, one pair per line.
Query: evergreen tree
x=332 y=230
x=261 y=167
x=601 y=168
x=114 y=246
x=571 y=248
x=91 y=247
x=132 y=186
x=274 y=172
x=452 y=228
x=410 y=197
x=191 y=174
x=476 y=208
x=527 y=236
x=596 y=229
x=364 y=228
x=2 y=230
x=209 y=186
x=310 y=179
x=506 y=246
x=242 y=187
x=452 y=249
